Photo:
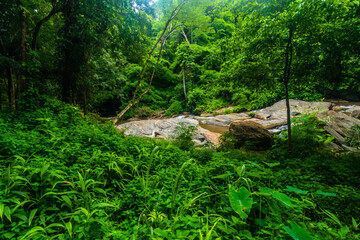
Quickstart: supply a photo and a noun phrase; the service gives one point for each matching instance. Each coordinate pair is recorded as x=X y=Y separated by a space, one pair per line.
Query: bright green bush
x=65 y=176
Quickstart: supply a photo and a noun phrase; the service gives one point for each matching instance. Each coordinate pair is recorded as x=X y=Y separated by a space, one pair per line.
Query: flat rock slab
x=272 y=116
x=163 y=127
x=272 y=123
x=167 y=128
x=297 y=106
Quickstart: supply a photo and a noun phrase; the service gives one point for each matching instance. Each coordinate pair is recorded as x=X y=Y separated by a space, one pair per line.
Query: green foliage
x=308 y=136
x=175 y=108
x=297 y=232
x=354 y=140
x=66 y=176
x=184 y=135
x=240 y=202
x=227 y=141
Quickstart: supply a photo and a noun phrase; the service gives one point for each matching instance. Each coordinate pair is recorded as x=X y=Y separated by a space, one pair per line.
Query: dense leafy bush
x=65 y=176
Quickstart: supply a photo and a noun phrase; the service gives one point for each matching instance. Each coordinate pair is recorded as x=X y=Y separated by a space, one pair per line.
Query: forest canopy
x=220 y=53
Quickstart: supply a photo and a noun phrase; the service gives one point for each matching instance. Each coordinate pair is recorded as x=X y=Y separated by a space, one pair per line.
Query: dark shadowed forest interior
x=180 y=119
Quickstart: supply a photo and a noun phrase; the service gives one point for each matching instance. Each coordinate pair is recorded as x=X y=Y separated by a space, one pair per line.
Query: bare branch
x=162 y=39
x=183 y=33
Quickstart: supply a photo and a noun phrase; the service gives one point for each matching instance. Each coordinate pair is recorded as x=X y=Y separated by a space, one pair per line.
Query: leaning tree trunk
x=136 y=101
x=162 y=39
x=286 y=78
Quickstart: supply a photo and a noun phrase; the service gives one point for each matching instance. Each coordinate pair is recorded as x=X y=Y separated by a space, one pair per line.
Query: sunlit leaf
x=297 y=232
x=295 y=190
x=325 y=193
x=240 y=201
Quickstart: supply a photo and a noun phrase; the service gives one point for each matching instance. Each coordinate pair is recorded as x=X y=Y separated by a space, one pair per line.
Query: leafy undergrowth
x=67 y=177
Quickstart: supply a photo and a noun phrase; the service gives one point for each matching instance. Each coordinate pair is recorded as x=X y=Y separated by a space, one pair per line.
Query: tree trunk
x=72 y=55
x=186 y=39
x=133 y=103
x=286 y=78
x=184 y=83
x=38 y=26
x=1 y=102
x=160 y=40
x=21 y=80
x=11 y=88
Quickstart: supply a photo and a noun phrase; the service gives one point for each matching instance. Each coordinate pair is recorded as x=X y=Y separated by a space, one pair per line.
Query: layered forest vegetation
x=67 y=173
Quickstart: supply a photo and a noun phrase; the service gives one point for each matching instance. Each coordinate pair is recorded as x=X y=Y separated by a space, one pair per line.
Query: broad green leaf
x=266 y=190
x=2 y=206
x=7 y=213
x=272 y=164
x=325 y=193
x=55 y=225
x=21 y=216
x=32 y=214
x=32 y=232
x=255 y=174
x=297 y=232
x=240 y=201
x=261 y=222
x=68 y=226
x=223 y=176
x=355 y=225
x=102 y=205
x=86 y=212
x=344 y=230
x=295 y=190
x=9 y=235
x=161 y=232
x=67 y=200
x=284 y=199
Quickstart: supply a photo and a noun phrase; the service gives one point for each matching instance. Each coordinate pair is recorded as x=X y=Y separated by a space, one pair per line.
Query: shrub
x=175 y=108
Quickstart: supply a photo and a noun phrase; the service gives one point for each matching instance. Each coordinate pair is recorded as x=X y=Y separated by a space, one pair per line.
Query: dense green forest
x=218 y=53
x=68 y=65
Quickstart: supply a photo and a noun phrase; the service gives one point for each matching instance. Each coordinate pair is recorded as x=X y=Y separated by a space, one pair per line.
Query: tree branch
x=53 y=11
x=161 y=39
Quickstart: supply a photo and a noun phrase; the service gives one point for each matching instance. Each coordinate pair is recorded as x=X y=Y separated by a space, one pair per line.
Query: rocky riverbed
x=272 y=118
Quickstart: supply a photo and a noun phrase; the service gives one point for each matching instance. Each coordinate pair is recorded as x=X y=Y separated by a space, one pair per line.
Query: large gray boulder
x=251 y=133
